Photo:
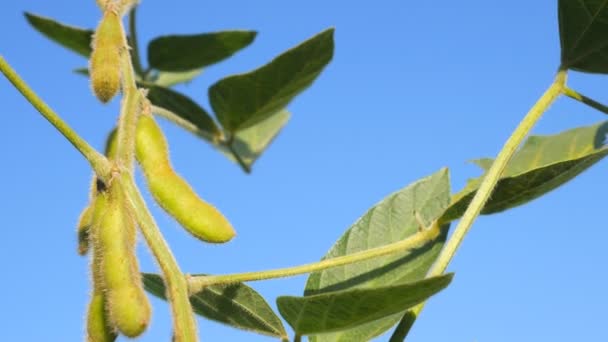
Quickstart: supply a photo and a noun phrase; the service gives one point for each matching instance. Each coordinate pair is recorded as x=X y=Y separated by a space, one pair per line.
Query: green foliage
x=242 y=101
x=169 y=78
x=542 y=164
x=187 y=52
x=391 y=220
x=236 y=305
x=74 y=38
x=355 y=301
x=340 y=310
x=252 y=118
x=249 y=143
x=185 y=108
x=582 y=27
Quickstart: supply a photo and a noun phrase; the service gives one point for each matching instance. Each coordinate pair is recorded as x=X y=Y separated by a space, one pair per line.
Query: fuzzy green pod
x=104 y=68
x=86 y=217
x=114 y=237
x=172 y=192
x=99 y=327
x=83 y=229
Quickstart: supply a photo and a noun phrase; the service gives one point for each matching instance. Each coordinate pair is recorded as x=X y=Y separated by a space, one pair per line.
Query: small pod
x=108 y=43
x=114 y=239
x=84 y=227
x=172 y=192
x=86 y=217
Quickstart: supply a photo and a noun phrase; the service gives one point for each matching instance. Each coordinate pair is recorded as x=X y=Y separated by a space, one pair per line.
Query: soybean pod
x=108 y=43
x=99 y=327
x=171 y=191
x=114 y=242
x=86 y=217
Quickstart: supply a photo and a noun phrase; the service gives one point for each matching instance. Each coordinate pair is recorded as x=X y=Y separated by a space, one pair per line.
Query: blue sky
x=413 y=87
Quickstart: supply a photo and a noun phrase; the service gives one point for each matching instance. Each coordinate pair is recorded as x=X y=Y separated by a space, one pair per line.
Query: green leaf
x=168 y=79
x=186 y=109
x=241 y=101
x=237 y=305
x=391 y=220
x=582 y=26
x=187 y=52
x=73 y=38
x=81 y=71
x=251 y=142
x=542 y=164
x=340 y=310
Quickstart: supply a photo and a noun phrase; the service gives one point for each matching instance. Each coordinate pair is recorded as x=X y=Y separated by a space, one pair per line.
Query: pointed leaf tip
x=241 y=101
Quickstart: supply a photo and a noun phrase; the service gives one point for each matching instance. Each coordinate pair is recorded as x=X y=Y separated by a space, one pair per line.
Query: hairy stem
x=198 y=283
x=98 y=161
x=571 y=93
x=486 y=188
x=184 y=324
x=127 y=122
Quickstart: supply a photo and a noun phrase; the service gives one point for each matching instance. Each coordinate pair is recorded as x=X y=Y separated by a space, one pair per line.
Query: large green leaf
x=73 y=38
x=187 y=52
x=236 y=305
x=340 y=310
x=391 y=220
x=186 y=109
x=241 y=101
x=250 y=143
x=582 y=26
x=542 y=164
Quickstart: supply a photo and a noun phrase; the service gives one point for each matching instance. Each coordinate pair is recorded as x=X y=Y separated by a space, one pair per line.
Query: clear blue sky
x=414 y=86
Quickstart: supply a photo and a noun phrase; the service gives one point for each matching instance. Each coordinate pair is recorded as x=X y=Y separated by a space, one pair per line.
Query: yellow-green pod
x=127 y=306
x=172 y=192
x=99 y=327
x=104 y=68
x=86 y=217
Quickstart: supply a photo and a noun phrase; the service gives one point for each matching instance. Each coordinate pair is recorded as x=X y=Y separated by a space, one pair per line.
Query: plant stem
x=139 y=70
x=486 y=188
x=571 y=93
x=185 y=124
x=131 y=106
x=198 y=283
x=98 y=161
x=184 y=324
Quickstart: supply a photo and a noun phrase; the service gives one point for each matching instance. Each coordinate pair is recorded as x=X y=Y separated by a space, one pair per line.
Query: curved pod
x=172 y=192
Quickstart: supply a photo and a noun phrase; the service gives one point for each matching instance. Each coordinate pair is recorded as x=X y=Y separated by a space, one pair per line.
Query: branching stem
x=571 y=93
x=487 y=186
x=98 y=161
x=198 y=283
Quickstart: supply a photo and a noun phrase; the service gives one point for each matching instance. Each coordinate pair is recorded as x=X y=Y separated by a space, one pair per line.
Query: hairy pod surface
x=172 y=192
x=99 y=327
x=127 y=306
x=83 y=229
x=86 y=217
x=108 y=43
